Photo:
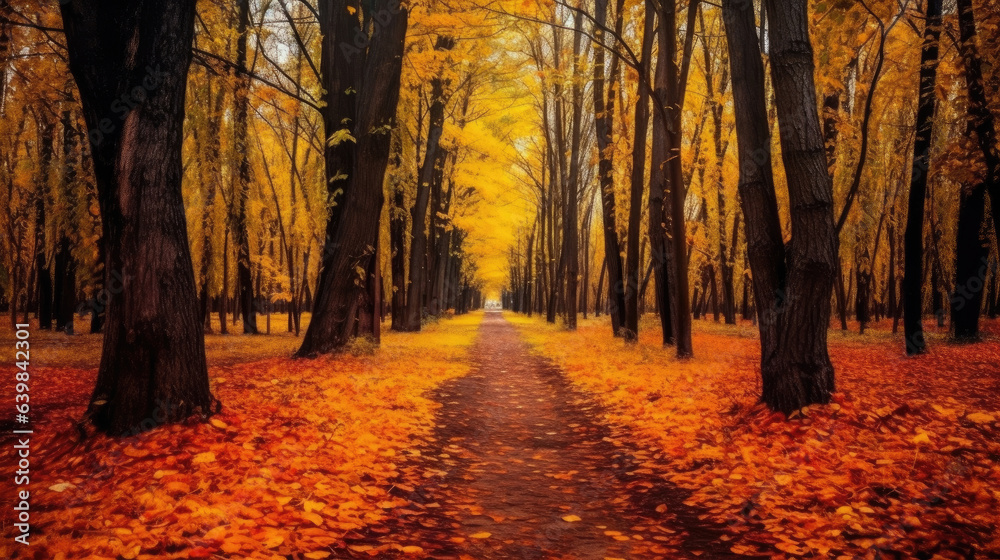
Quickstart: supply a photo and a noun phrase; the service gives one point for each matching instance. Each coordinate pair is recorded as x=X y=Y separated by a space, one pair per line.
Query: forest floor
x=490 y=436
x=905 y=463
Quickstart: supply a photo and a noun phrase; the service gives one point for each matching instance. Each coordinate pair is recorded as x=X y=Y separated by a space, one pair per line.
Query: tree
x=241 y=110
x=971 y=253
x=638 y=178
x=791 y=286
x=342 y=294
x=153 y=366
x=604 y=98
x=913 y=240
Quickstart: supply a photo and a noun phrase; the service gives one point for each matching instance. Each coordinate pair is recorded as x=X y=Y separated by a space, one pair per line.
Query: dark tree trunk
x=725 y=262
x=891 y=234
x=571 y=225
x=913 y=242
x=659 y=221
x=764 y=250
x=600 y=286
x=65 y=287
x=937 y=294
x=241 y=99
x=802 y=370
x=676 y=87
x=981 y=118
x=213 y=163
x=418 y=215
x=792 y=293
x=604 y=111
x=44 y=275
x=397 y=239
x=343 y=294
x=632 y=264
x=861 y=301
x=971 y=265
x=153 y=360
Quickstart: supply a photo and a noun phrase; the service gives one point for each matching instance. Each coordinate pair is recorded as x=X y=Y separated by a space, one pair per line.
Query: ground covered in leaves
x=457 y=442
x=904 y=464
x=304 y=453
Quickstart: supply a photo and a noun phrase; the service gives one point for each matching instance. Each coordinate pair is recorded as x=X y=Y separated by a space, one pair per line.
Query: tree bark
x=632 y=264
x=971 y=264
x=603 y=119
x=153 y=359
x=343 y=291
x=913 y=242
x=241 y=99
x=791 y=287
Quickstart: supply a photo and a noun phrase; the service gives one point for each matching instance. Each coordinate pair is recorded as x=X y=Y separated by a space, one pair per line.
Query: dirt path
x=521 y=468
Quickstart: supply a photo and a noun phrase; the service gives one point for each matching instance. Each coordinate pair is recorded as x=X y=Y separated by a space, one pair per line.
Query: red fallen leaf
x=201 y=552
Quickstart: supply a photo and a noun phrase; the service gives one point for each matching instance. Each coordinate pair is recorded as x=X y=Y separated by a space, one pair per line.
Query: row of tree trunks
x=434 y=159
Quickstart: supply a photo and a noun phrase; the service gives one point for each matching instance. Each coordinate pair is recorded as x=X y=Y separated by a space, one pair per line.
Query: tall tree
x=791 y=287
x=572 y=222
x=344 y=290
x=604 y=98
x=432 y=163
x=913 y=240
x=972 y=254
x=241 y=110
x=638 y=179
x=153 y=359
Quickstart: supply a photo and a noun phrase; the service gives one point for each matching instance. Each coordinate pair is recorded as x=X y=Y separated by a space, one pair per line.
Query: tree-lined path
x=748 y=252
x=520 y=466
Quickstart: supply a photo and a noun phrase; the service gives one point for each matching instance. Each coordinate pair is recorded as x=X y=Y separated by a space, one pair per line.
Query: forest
x=495 y=279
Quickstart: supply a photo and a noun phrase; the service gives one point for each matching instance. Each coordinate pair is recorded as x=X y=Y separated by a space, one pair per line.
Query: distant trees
x=153 y=363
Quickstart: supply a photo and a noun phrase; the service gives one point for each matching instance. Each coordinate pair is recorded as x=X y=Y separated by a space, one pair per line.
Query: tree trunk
x=572 y=222
x=153 y=359
x=802 y=372
x=981 y=118
x=792 y=293
x=913 y=242
x=241 y=99
x=632 y=264
x=44 y=275
x=659 y=221
x=971 y=264
x=418 y=215
x=604 y=114
x=397 y=239
x=343 y=292
x=676 y=86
